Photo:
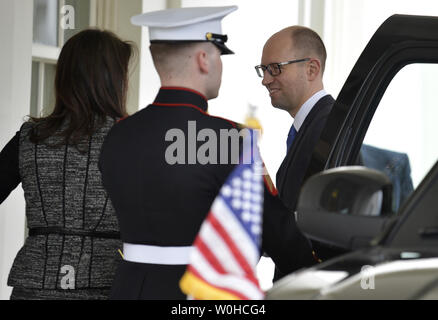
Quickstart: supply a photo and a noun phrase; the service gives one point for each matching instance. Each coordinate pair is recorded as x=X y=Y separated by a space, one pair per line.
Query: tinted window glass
x=45 y=22
x=401 y=139
x=419 y=227
x=81 y=17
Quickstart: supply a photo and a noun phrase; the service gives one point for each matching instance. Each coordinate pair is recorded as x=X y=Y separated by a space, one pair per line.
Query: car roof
x=395 y=30
x=396 y=34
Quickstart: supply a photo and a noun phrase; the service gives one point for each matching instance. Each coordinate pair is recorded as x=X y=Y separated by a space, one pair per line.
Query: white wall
x=15 y=75
x=115 y=15
x=127 y=31
x=149 y=81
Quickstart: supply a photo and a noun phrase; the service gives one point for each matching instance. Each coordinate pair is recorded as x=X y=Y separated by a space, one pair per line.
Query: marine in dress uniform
x=161 y=206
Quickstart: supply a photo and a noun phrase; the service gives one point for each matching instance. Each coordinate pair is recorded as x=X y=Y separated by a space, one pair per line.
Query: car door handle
x=429 y=232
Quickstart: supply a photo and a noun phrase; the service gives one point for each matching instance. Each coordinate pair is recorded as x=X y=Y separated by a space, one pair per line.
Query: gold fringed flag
x=227 y=249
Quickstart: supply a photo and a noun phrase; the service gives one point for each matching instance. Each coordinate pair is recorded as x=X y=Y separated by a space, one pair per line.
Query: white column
x=317 y=16
x=174 y=4
x=15 y=79
x=115 y=15
x=304 y=12
x=106 y=12
x=344 y=21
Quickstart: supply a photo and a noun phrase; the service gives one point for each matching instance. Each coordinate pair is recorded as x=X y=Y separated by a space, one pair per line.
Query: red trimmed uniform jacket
x=161 y=204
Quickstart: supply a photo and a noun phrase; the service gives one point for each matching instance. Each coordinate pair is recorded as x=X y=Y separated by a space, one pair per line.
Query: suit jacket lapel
x=293 y=152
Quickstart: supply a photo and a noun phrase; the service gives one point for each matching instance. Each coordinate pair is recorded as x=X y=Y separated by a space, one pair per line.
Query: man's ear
x=314 y=69
x=203 y=61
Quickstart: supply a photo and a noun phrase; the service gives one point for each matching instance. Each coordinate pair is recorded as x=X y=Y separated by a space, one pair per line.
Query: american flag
x=227 y=248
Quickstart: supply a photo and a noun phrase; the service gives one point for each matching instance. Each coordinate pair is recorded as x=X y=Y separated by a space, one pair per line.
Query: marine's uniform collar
x=180 y=96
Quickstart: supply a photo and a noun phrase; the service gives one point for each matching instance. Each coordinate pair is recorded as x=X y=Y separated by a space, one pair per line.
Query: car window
x=418 y=227
x=401 y=138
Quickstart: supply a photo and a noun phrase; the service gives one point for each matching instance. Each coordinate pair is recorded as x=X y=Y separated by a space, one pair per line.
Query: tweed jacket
x=63 y=191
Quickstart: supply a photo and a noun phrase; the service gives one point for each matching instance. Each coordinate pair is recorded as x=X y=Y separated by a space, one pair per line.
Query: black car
x=384 y=212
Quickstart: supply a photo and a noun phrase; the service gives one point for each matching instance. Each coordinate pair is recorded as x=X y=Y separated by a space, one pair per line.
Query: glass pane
x=81 y=15
x=49 y=88
x=401 y=139
x=34 y=90
x=45 y=22
x=419 y=229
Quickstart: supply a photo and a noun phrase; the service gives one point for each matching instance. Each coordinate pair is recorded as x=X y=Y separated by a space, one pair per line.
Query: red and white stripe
x=225 y=256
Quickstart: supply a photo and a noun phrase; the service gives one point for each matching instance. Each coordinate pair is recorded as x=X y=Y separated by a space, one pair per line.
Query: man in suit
x=292 y=68
x=161 y=197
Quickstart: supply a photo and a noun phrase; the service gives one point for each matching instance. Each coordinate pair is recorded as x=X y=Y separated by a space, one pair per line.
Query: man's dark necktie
x=291 y=136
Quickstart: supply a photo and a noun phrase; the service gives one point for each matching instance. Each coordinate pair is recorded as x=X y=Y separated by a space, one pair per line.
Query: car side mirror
x=345 y=207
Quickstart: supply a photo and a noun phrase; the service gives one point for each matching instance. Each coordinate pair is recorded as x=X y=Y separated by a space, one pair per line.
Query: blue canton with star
x=243 y=194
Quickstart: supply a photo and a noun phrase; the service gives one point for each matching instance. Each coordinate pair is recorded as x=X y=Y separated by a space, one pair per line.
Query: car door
x=416 y=229
x=384 y=117
x=402 y=264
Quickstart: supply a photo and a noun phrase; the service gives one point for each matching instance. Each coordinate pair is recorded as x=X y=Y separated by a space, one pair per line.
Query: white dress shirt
x=306 y=108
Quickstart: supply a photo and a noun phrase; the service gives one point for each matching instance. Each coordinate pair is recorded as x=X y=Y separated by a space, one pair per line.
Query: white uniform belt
x=156 y=255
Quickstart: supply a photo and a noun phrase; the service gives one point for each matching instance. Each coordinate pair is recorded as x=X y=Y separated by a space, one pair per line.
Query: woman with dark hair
x=72 y=248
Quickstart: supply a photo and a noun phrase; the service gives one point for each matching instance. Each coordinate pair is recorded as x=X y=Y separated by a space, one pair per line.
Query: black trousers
x=323 y=251
x=141 y=281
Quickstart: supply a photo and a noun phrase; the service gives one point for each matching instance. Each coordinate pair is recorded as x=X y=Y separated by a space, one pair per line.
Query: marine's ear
x=203 y=61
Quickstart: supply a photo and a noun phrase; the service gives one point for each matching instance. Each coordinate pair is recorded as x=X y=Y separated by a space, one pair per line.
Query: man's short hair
x=308 y=42
x=163 y=52
x=171 y=58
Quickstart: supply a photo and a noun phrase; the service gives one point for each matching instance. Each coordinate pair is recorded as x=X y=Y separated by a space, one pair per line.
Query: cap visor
x=223 y=48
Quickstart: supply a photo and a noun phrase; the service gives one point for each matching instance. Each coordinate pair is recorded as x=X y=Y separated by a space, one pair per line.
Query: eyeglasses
x=274 y=69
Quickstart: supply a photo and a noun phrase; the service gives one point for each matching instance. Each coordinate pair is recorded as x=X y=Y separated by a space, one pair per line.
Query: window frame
x=356 y=125
x=45 y=54
x=342 y=137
